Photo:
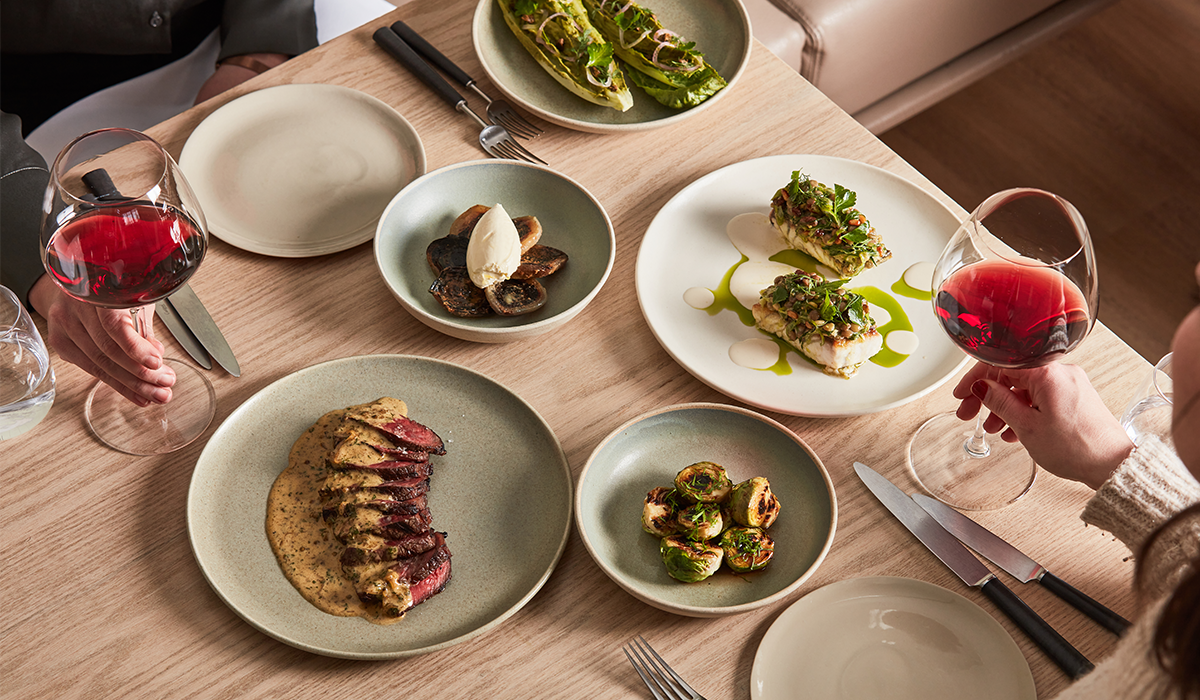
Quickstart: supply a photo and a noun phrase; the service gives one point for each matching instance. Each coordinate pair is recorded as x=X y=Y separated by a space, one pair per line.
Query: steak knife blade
x=972 y=571
x=179 y=329
x=1017 y=563
x=193 y=313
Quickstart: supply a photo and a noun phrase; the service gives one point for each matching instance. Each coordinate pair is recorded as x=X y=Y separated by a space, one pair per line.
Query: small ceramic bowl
x=649 y=451
x=572 y=220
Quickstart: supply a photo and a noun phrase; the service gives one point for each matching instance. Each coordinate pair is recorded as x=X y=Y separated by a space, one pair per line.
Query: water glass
x=1149 y=411
x=26 y=378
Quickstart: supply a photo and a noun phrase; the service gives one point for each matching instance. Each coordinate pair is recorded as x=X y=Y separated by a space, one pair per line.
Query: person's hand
x=104 y=343
x=228 y=75
x=1054 y=412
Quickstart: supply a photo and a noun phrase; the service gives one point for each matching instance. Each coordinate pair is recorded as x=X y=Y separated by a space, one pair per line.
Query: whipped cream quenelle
x=494 y=252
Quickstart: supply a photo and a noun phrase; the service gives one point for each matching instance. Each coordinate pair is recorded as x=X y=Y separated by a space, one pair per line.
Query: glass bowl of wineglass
x=1014 y=288
x=122 y=229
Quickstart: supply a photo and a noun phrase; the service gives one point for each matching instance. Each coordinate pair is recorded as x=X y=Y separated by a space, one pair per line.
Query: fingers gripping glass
x=1014 y=288
x=121 y=229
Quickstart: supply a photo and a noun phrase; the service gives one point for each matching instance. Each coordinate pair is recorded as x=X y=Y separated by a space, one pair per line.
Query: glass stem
x=976 y=445
x=139 y=324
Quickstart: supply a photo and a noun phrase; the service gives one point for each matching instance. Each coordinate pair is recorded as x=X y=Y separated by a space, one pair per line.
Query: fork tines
x=512 y=150
x=658 y=676
x=514 y=123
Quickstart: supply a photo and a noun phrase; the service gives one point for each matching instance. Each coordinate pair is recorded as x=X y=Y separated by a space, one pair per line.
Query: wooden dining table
x=103 y=597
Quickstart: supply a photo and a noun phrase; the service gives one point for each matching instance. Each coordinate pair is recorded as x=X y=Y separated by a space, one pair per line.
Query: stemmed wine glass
x=121 y=229
x=1014 y=288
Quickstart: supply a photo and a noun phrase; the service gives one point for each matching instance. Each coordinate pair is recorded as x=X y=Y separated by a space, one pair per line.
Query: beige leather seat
x=886 y=60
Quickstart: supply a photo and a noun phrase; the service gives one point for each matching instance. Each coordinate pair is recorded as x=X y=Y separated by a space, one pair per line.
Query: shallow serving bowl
x=572 y=219
x=650 y=450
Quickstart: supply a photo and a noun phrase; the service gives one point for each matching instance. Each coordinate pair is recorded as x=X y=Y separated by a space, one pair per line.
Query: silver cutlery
x=170 y=318
x=498 y=111
x=187 y=306
x=1017 y=563
x=972 y=572
x=658 y=676
x=495 y=140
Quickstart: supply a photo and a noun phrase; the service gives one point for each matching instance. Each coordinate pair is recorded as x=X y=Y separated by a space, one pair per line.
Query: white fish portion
x=840 y=358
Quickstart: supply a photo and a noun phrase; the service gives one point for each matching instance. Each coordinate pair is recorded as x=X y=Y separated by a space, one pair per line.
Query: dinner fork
x=658 y=676
x=500 y=112
x=493 y=139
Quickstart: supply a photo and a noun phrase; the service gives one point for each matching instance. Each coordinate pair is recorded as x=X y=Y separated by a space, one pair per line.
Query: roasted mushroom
x=540 y=261
x=753 y=504
x=746 y=548
x=515 y=297
x=446 y=252
x=689 y=561
x=703 y=482
x=660 y=511
x=459 y=295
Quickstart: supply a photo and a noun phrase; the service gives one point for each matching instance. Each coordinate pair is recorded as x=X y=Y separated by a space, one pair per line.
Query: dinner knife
x=179 y=329
x=188 y=306
x=972 y=571
x=1017 y=563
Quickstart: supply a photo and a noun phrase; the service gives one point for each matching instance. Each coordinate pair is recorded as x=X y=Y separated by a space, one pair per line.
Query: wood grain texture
x=103 y=598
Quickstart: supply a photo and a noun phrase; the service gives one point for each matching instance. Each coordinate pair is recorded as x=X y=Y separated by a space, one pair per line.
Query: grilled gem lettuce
x=668 y=68
x=560 y=38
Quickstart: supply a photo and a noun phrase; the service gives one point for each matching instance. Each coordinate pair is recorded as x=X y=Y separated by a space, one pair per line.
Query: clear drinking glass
x=1149 y=412
x=26 y=378
x=122 y=229
x=1014 y=288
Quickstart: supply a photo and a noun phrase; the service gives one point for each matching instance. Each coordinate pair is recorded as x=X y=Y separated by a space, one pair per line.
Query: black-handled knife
x=437 y=58
x=401 y=51
x=1017 y=563
x=973 y=573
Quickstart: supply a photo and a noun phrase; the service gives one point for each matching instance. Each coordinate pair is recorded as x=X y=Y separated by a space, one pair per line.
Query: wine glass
x=121 y=229
x=1014 y=288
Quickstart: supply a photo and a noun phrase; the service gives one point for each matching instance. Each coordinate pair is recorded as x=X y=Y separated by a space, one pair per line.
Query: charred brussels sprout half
x=753 y=504
x=746 y=548
x=701 y=521
x=689 y=561
x=660 y=512
x=703 y=482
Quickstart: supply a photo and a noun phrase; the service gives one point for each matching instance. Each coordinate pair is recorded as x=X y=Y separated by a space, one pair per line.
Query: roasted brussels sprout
x=701 y=521
x=753 y=504
x=660 y=512
x=703 y=482
x=746 y=548
x=689 y=561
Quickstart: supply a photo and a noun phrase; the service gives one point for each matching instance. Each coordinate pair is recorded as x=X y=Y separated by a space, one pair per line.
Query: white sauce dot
x=751 y=278
x=754 y=353
x=699 y=297
x=920 y=276
x=880 y=315
x=753 y=236
x=903 y=342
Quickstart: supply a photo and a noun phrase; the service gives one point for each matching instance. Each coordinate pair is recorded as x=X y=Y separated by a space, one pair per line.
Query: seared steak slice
x=395 y=471
x=349 y=506
x=372 y=522
x=389 y=416
x=408 y=582
x=400 y=490
x=378 y=549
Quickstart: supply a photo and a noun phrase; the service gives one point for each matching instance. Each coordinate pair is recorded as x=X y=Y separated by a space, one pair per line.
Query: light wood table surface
x=102 y=597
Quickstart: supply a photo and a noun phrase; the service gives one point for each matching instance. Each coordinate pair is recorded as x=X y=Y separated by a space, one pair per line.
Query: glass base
x=157 y=428
x=940 y=461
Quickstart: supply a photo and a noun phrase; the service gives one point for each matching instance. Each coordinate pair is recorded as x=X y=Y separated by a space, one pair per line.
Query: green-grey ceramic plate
x=720 y=28
x=649 y=451
x=572 y=220
x=505 y=537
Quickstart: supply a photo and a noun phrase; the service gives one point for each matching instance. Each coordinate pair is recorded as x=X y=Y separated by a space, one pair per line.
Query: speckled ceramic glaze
x=720 y=28
x=572 y=220
x=650 y=450
x=502 y=493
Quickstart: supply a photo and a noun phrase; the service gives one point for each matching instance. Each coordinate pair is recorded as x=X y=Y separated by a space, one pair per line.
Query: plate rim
x=747 y=37
x=193 y=498
x=808 y=599
x=238 y=240
x=753 y=401
x=694 y=610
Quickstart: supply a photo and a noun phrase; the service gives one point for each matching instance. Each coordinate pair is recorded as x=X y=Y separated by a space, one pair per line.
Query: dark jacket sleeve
x=22 y=188
x=268 y=26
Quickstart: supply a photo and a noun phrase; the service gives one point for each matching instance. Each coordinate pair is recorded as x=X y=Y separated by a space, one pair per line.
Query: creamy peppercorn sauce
x=307 y=551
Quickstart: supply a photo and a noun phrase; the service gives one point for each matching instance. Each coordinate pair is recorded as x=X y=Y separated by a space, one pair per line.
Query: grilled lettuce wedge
x=668 y=68
x=559 y=36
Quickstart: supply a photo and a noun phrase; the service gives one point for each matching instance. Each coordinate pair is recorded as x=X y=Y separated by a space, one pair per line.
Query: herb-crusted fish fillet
x=823 y=222
x=830 y=325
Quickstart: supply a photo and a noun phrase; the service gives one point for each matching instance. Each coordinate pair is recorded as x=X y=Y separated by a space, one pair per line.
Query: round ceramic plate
x=502 y=493
x=720 y=28
x=300 y=170
x=572 y=220
x=686 y=247
x=886 y=637
x=650 y=450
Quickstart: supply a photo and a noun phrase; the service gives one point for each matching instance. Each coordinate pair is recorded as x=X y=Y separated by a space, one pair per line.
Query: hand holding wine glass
x=1015 y=288
x=121 y=229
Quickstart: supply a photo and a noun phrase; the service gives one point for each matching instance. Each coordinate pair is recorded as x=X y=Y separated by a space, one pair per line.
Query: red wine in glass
x=125 y=255
x=1012 y=315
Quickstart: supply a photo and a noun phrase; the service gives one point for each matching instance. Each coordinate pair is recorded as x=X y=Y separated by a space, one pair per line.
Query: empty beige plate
x=300 y=170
